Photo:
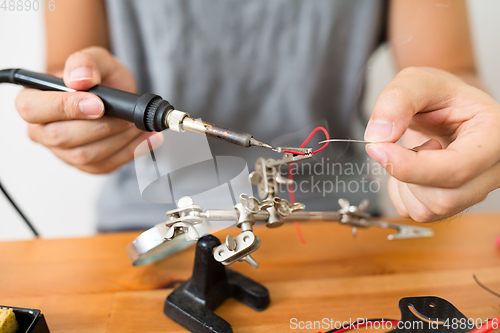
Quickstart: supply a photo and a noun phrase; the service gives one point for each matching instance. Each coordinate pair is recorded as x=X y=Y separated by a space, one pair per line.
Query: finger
x=39 y=107
x=95 y=65
x=429 y=145
x=402 y=197
x=413 y=138
x=413 y=90
x=69 y=134
x=392 y=187
x=125 y=155
x=444 y=202
x=461 y=161
x=97 y=151
x=416 y=209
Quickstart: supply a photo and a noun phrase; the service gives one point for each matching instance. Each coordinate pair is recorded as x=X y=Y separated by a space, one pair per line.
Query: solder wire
x=358 y=141
x=339 y=140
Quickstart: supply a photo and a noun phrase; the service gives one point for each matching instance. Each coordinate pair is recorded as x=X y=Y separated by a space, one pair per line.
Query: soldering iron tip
x=258 y=143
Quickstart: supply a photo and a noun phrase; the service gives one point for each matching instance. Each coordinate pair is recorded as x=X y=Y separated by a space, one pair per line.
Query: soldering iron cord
x=5 y=77
x=4 y=191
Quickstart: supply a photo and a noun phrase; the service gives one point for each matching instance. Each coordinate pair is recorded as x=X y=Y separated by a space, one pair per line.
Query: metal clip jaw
x=290 y=157
x=356 y=217
x=267 y=178
x=183 y=219
x=404 y=231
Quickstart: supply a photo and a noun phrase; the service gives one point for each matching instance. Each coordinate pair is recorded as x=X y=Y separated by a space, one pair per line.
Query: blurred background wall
x=60 y=200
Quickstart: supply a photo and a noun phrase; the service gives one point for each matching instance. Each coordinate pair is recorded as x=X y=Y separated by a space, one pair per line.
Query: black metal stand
x=192 y=303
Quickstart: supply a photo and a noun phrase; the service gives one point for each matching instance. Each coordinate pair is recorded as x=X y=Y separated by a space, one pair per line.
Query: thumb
x=95 y=65
x=81 y=71
x=413 y=90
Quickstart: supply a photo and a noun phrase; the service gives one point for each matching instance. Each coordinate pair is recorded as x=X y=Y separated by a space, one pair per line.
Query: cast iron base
x=192 y=303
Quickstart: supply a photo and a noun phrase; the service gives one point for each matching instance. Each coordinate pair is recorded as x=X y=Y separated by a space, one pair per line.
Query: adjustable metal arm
x=403 y=230
x=274 y=213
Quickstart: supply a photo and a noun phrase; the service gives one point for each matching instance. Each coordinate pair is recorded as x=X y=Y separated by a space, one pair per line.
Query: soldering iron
x=149 y=112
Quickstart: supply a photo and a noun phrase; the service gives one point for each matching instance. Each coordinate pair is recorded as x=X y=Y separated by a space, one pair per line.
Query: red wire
x=290 y=176
x=487 y=328
x=308 y=139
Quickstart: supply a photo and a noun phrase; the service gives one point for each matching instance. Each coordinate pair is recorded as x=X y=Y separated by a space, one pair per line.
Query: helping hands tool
x=271 y=209
x=149 y=112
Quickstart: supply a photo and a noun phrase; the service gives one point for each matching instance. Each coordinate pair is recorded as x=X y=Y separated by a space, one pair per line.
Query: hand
x=72 y=125
x=457 y=165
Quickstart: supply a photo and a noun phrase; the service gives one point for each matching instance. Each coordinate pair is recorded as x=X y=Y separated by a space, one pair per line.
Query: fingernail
x=379 y=130
x=377 y=153
x=80 y=73
x=92 y=107
x=156 y=140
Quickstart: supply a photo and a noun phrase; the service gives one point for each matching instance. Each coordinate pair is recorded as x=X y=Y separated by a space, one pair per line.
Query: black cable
x=484 y=287
x=6 y=77
x=19 y=211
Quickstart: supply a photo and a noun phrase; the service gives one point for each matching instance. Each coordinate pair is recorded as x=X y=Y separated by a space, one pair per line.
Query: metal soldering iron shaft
x=221 y=132
x=258 y=143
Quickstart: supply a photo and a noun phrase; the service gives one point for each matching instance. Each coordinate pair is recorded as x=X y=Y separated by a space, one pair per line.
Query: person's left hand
x=457 y=128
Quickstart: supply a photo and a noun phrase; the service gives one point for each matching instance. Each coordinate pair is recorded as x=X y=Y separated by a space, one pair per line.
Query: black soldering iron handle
x=147 y=111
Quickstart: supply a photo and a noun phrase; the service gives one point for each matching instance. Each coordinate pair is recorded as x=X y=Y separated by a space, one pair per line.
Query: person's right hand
x=72 y=125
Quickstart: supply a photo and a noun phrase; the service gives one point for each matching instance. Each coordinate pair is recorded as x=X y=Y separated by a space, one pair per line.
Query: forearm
x=471 y=77
x=424 y=34
x=76 y=25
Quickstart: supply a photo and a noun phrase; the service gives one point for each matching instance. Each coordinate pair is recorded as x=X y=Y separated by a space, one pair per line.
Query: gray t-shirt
x=267 y=67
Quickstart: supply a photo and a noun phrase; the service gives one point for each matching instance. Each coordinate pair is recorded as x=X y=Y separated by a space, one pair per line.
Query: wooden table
x=88 y=284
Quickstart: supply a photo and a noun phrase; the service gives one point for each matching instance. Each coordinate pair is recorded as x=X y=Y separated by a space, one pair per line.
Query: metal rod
x=232 y=215
x=312 y=216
